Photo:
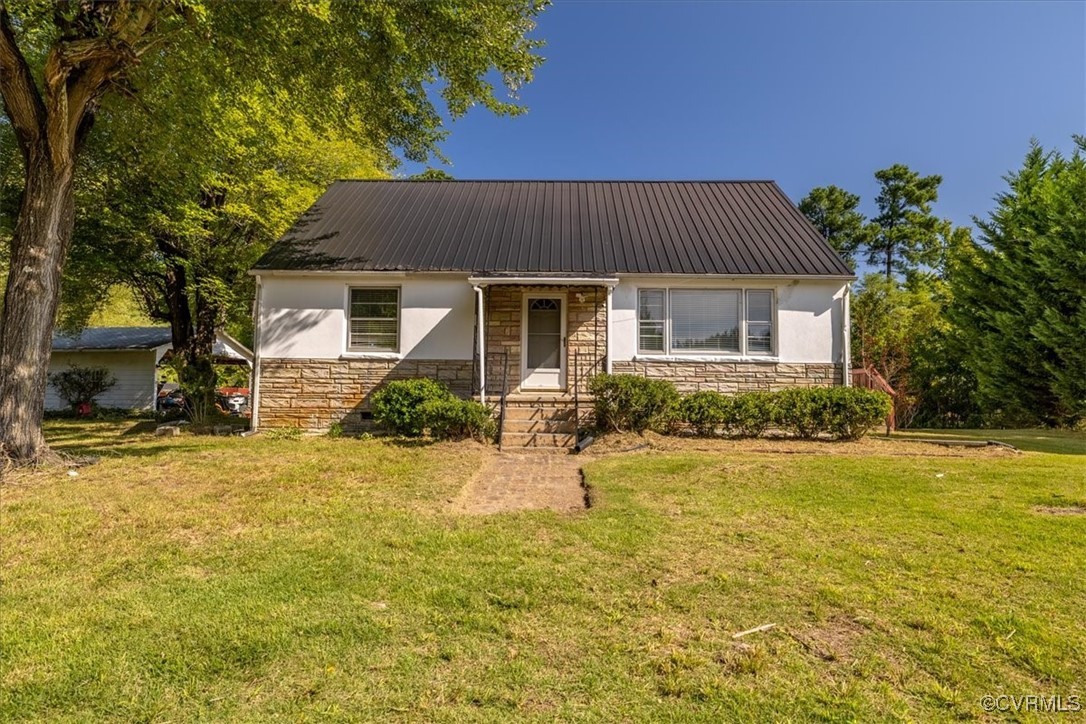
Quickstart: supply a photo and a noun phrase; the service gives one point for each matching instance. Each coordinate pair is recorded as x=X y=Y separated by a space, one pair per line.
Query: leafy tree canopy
x=360 y=73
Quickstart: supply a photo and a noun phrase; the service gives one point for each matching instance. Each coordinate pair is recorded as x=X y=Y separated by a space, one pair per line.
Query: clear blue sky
x=807 y=94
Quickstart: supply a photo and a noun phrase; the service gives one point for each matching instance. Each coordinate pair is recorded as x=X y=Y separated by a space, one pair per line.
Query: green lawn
x=1048 y=441
x=322 y=580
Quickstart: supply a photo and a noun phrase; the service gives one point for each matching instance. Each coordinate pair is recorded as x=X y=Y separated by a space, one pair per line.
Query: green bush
x=801 y=412
x=454 y=419
x=750 y=414
x=706 y=411
x=78 y=385
x=397 y=407
x=844 y=413
x=856 y=411
x=633 y=403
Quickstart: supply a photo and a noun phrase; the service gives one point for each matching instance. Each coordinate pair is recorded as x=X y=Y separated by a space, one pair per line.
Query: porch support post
x=482 y=342
x=846 y=338
x=607 y=333
x=254 y=374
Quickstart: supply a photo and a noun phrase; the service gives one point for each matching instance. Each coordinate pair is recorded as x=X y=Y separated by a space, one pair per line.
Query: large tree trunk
x=50 y=118
x=39 y=247
x=193 y=334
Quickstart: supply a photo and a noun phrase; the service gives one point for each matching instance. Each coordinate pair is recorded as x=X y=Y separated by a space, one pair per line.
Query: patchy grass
x=253 y=579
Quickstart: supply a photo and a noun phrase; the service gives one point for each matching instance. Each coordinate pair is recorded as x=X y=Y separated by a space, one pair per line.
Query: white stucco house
x=519 y=291
x=132 y=355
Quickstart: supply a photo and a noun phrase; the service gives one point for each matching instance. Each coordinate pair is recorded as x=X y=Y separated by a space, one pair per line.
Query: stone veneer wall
x=314 y=393
x=732 y=377
x=586 y=329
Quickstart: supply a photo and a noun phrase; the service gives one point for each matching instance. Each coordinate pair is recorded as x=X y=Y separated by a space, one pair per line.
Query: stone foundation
x=733 y=377
x=311 y=394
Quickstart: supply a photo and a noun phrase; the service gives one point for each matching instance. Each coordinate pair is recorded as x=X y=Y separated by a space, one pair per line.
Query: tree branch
x=80 y=70
x=22 y=101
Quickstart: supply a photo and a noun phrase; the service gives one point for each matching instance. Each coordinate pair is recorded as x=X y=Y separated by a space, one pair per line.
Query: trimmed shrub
x=633 y=403
x=801 y=411
x=844 y=413
x=455 y=419
x=80 y=385
x=706 y=411
x=856 y=411
x=397 y=407
x=750 y=414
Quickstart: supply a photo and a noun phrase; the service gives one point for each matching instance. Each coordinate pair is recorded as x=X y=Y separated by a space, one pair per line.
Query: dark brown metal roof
x=556 y=227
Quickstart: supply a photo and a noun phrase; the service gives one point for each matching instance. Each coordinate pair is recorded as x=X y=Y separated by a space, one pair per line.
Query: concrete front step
x=553 y=399
x=541 y=425
x=538 y=439
x=543 y=420
x=540 y=413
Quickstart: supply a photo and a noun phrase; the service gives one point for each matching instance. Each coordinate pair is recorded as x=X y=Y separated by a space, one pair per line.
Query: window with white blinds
x=374 y=320
x=760 y=322
x=652 y=318
x=704 y=320
x=714 y=321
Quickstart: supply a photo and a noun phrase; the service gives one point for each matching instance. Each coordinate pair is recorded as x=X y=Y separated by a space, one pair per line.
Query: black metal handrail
x=505 y=393
x=576 y=396
x=577 y=378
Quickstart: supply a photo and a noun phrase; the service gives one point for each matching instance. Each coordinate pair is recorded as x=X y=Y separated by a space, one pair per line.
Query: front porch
x=540 y=337
x=540 y=343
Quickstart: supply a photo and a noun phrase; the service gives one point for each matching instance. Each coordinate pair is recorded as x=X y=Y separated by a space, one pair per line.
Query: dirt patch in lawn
x=831 y=640
x=632 y=442
x=1060 y=509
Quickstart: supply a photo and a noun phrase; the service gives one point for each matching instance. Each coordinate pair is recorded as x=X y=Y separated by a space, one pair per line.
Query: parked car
x=170 y=400
x=234 y=400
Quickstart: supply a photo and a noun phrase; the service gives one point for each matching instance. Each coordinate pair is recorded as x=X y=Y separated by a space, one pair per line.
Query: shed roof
x=555 y=228
x=112 y=338
x=137 y=338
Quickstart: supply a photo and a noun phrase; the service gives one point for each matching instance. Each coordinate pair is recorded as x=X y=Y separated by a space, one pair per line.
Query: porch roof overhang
x=542 y=279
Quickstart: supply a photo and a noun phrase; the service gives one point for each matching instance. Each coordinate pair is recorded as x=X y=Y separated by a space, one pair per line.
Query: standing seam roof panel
x=725 y=228
x=556 y=227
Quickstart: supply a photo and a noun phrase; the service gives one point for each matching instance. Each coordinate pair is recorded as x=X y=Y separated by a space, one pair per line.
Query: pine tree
x=904 y=237
x=833 y=212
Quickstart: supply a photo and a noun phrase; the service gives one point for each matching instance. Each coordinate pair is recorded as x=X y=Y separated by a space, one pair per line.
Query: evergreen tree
x=904 y=236
x=833 y=211
x=1018 y=295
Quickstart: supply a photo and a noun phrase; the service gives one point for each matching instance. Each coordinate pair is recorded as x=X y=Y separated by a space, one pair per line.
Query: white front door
x=543 y=347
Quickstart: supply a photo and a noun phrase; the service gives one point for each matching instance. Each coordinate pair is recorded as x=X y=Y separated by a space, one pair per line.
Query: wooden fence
x=870 y=379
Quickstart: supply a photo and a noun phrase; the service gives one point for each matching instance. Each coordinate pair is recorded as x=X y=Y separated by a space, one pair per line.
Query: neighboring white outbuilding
x=131 y=354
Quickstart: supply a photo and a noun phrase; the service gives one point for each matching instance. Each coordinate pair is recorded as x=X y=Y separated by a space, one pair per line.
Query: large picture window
x=374 y=320
x=706 y=321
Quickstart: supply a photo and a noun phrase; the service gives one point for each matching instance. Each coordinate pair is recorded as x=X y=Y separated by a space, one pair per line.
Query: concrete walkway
x=533 y=480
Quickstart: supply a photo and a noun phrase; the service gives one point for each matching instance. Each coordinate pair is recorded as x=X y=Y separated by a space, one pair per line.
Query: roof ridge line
x=560 y=181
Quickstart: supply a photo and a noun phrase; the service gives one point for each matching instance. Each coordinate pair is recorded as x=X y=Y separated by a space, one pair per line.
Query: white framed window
x=759 y=321
x=652 y=321
x=373 y=319
x=705 y=321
